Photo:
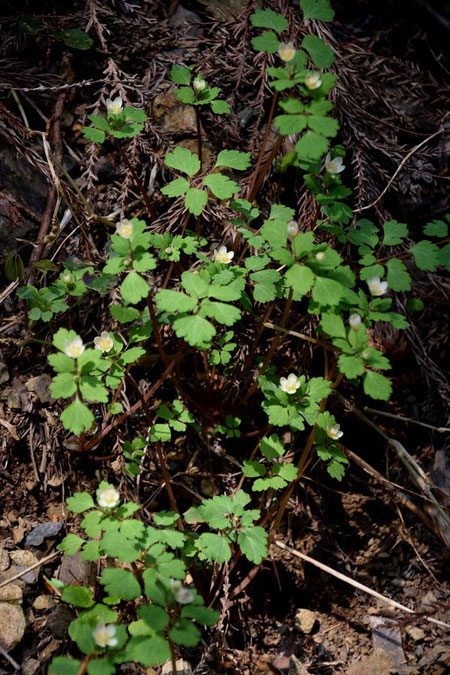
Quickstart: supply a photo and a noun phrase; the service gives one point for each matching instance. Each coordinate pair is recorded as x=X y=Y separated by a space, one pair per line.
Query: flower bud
x=354 y=321
x=67 y=277
x=199 y=84
x=313 y=81
x=320 y=257
x=292 y=229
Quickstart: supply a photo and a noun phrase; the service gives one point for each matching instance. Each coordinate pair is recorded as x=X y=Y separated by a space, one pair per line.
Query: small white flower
x=115 y=106
x=335 y=432
x=104 y=342
x=66 y=277
x=320 y=257
x=377 y=287
x=289 y=384
x=199 y=84
x=223 y=256
x=335 y=165
x=74 y=348
x=184 y=596
x=292 y=229
x=124 y=228
x=104 y=635
x=174 y=585
x=286 y=51
x=354 y=321
x=313 y=81
x=108 y=498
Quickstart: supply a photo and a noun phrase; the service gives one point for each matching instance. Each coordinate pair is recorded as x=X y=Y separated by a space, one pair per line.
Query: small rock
x=183 y=668
x=49 y=650
x=40 y=385
x=59 y=620
x=305 y=620
x=41 y=532
x=30 y=667
x=296 y=667
x=415 y=633
x=281 y=662
x=12 y=625
x=4 y=560
x=173 y=115
x=429 y=600
x=11 y=592
x=386 y=636
x=73 y=570
x=186 y=20
x=23 y=560
x=378 y=663
x=42 y=602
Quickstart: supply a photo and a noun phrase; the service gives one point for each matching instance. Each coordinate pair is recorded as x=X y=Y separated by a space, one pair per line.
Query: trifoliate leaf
x=317 y=9
x=78 y=596
x=185 y=633
x=233 y=159
x=77 y=417
x=133 y=288
x=213 y=547
x=195 y=200
x=176 y=187
x=267 y=18
x=311 y=146
x=333 y=325
x=321 y=54
x=290 y=124
x=174 y=301
x=394 y=233
x=437 y=228
x=267 y=42
x=221 y=186
x=61 y=363
x=183 y=160
x=99 y=122
x=72 y=542
x=215 y=511
x=377 y=386
x=120 y=583
x=196 y=330
x=92 y=389
x=398 y=277
x=253 y=543
x=180 y=75
x=263 y=484
x=426 y=255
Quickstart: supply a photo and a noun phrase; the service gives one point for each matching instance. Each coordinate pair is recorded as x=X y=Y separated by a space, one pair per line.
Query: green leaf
x=321 y=54
x=233 y=159
x=318 y=388
x=92 y=389
x=63 y=385
x=444 y=257
x=121 y=584
x=266 y=18
x=290 y=124
x=326 y=126
x=252 y=469
x=148 y=651
x=253 y=543
x=223 y=313
x=267 y=42
x=81 y=501
x=100 y=122
x=426 y=255
x=196 y=330
x=221 y=186
x=311 y=146
x=61 y=363
x=72 y=542
x=131 y=355
x=119 y=546
x=155 y=617
x=272 y=447
x=78 y=596
x=214 y=511
x=350 y=366
x=124 y=314
x=437 y=228
x=195 y=200
x=186 y=95
x=76 y=38
x=300 y=278
x=333 y=325
x=394 y=233
x=133 y=288
x=92 y=134
x=220 y=107
x=327 y=291
x=195 y=283
x=176 y=187
x=180 y=75
x=64 y=665
x=185 y=633
x=132 y=114
x=174 y=301
x=336 y=469
x=77 y=417
x=398 y=277
x=377 y=386
x=213 y=547
x=183 y=160
x=203 y=615
x=303 y=244
x=91 y=551
x=288 y=472
x=317 y=9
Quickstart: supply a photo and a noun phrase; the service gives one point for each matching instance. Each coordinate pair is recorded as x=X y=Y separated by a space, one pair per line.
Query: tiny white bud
x=67 y=277
x=184 y=596
x=199 y=84
x=320 y=257
x=292 y=229
x=354 y=321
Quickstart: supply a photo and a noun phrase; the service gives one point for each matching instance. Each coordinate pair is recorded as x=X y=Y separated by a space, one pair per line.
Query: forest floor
x=375 y=526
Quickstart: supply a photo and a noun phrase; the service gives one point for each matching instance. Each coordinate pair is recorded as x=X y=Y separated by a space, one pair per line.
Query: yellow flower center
x=74 y=349
x=287 y=53
x=125 y=230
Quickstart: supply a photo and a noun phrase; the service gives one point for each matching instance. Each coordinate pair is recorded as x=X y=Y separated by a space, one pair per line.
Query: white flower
x=289 y=384
x=334 y=165
x=124 y=228
x=104 y=635
x=114 y=107
x=184 y=596
x=199 y=84
x=320 y=257
x=108 y=498
x=104 y=342
x=286 y=51
x=354 y=321
x=377 y=287
x=335 y=432
x=292 y=229
x=74 y=348
x=223 y=256
x=174 y=585
x=313 y=81
x=66 y=277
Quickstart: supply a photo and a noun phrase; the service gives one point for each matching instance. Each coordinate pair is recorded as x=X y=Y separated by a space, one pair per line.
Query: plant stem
x=172 y=656
x=137 y=181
